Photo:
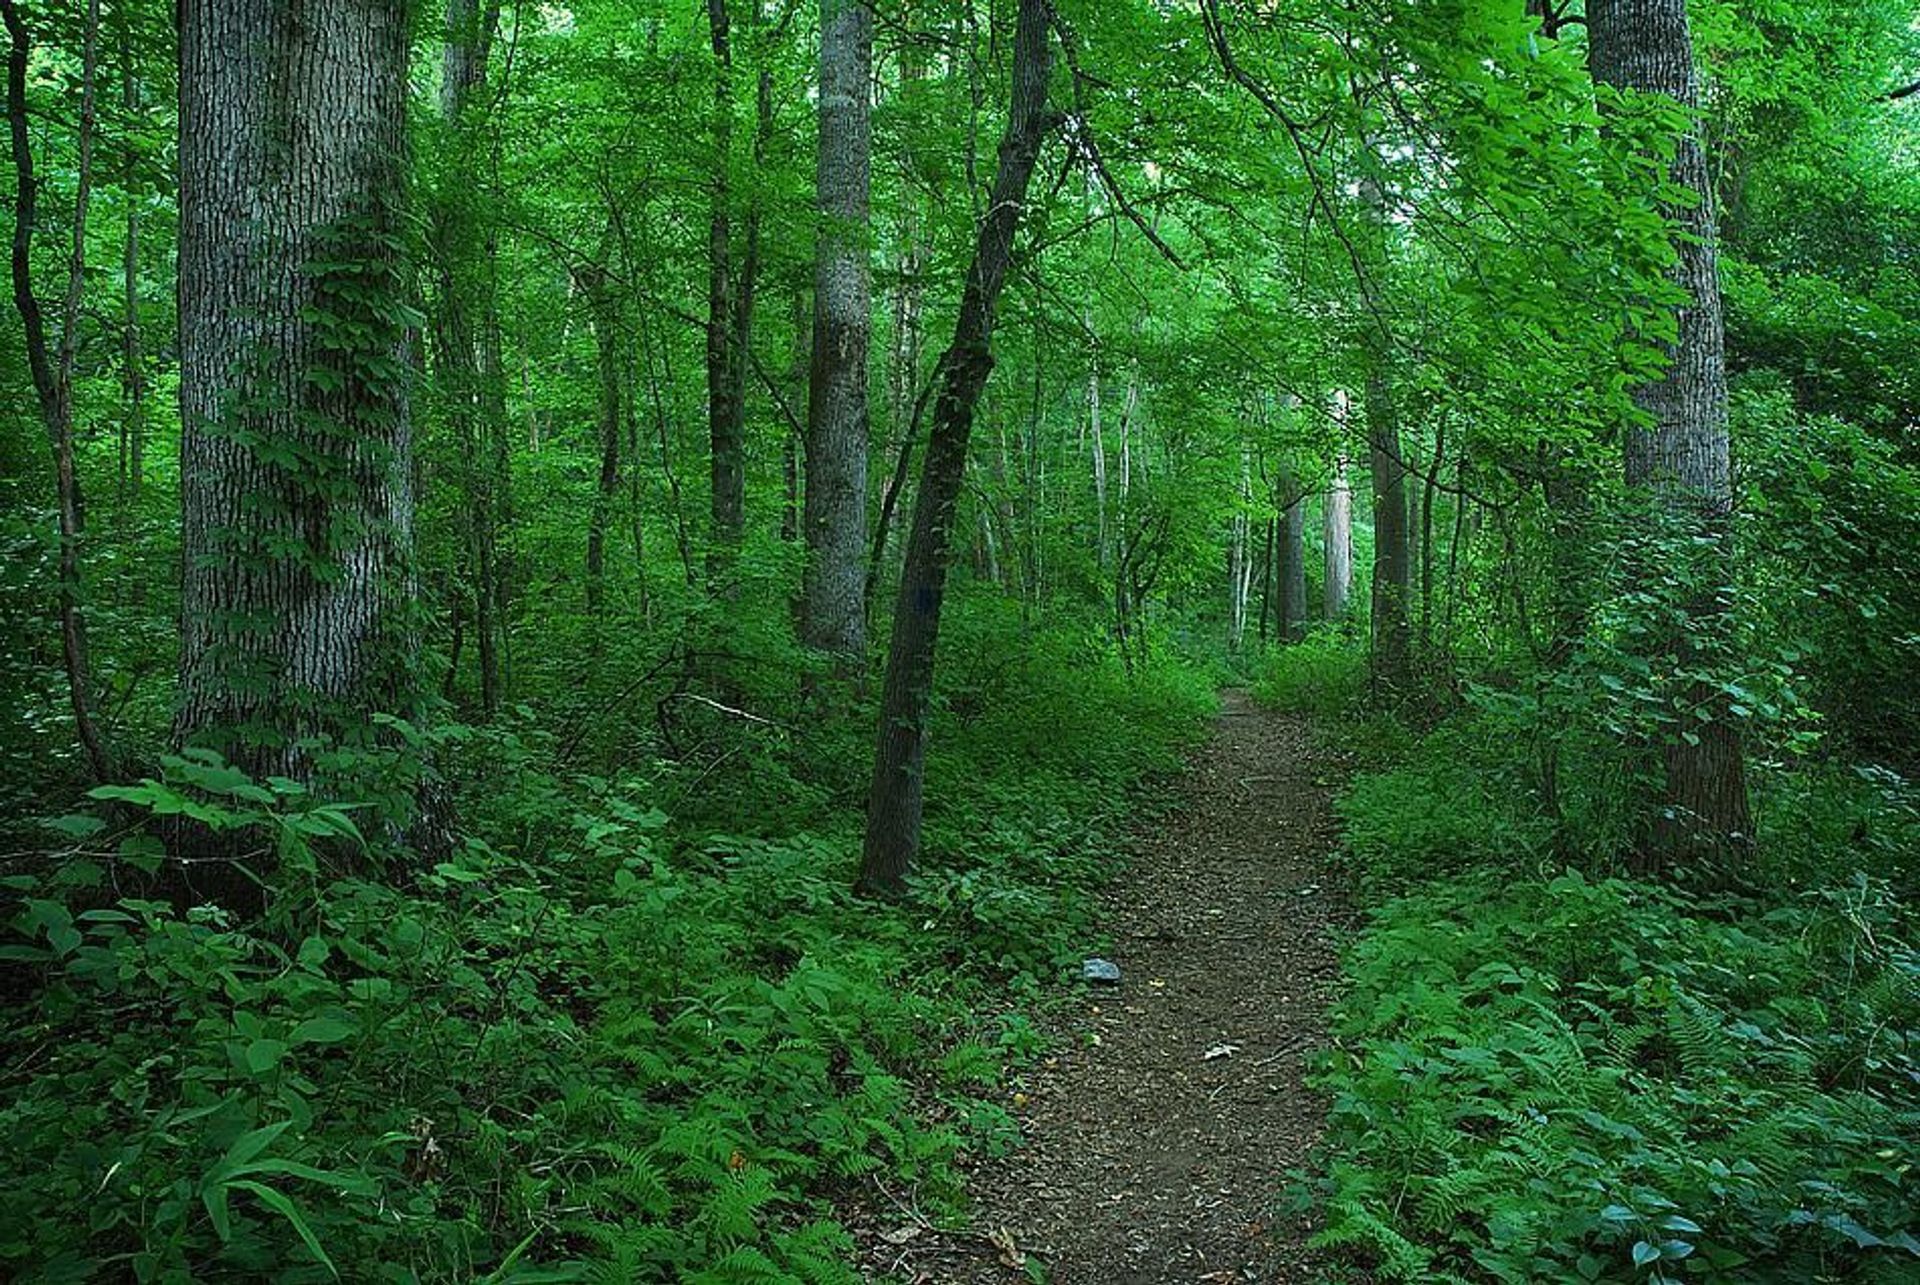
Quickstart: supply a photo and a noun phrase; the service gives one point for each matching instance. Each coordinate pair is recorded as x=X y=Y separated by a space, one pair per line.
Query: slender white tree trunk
x=1337 y=523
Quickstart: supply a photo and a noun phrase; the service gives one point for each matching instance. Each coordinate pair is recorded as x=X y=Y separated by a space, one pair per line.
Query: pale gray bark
x=1336 y=529
x=297 y=509
x=833 y=613
x=1239 y=563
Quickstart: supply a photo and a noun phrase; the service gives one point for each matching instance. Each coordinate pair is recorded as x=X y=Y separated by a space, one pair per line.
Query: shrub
x=1325 y=675
x=1577 y=1080
x=590 y=1043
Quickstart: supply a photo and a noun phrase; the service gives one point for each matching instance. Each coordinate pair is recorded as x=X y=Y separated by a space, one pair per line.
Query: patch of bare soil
x=1157 y=1140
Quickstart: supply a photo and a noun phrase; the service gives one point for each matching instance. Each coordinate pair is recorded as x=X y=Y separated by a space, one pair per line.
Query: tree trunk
x=726 y=409
x=834 y=603
x=896 y=800
x=1336 y=530
x=799 y=382
x=604 y=310
x=1268 y=575
x=466 y=356
x=1291 y=559
x=133 y=373
x=1429 y=496
x=1239 y=563
x=52 y=374
x=1680 y=455
x=297 y=508
x=1392 y=567
x=1099 y=450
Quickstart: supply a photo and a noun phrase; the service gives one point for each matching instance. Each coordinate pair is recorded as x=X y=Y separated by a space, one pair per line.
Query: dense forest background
x=483 y=483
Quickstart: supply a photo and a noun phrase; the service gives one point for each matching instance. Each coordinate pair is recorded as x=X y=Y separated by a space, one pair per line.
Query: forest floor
x=1159 y=1133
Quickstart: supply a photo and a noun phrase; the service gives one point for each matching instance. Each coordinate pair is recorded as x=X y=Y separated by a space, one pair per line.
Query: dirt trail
x=1157 y=1154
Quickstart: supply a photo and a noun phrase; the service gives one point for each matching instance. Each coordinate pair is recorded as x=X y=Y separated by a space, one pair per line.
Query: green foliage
x=1562 y=1077
x=1324 y=675
x=1574 y=1081
x=588 y=1044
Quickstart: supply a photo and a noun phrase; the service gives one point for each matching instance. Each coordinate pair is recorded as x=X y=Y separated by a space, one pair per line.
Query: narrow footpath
x=1159 y=1137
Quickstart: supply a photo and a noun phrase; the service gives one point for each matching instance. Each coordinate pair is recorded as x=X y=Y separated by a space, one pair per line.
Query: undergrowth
x=591 y=1042
x=1547 y=1072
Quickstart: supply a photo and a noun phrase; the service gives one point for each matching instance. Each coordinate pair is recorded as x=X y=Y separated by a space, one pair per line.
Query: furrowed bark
x=296 y=468
x=833 y=614
x=1680 y=456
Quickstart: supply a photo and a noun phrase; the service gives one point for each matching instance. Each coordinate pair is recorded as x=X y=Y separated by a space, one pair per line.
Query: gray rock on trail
x=1101 y=972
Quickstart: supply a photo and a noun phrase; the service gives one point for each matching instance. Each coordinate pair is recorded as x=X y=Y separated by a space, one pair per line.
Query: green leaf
x=285 y=1207
x=250 y=1144
x=77 y=825
x=322 y=1030
x=214 y=1197
x=264 y=1054
x=353 y=1183
x=314 y=952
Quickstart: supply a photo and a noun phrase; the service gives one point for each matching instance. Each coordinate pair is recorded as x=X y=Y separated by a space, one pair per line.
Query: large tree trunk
x=52 y=373
x=896 y=800
x=1680 y=454
x=834 y=602
x=297 y=508
x=1429 y=496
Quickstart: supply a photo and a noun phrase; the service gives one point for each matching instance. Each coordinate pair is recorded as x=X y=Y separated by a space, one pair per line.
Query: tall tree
x=52 y=371
x=731 y=287
x=465 y=330
x=133 y=372
x=1290 y=558
x=296 y=490
x=1392 y=601
x=896 y=800
x=834 y=607
x=603 y=311
x=726 y=410
x=1679 y=454
x=1240 y=556
x=1392 y=560
x=1336 y=533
